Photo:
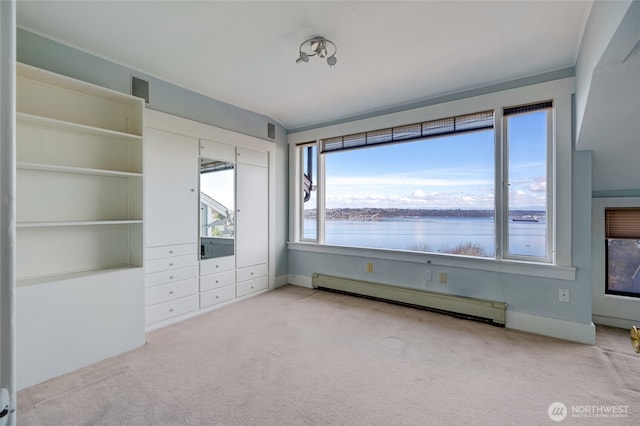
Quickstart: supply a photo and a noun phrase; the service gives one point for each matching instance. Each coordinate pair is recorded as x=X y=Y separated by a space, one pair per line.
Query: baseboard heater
x=488 y=311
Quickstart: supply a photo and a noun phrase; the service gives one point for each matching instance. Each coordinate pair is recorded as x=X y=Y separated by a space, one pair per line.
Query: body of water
x=433 y=234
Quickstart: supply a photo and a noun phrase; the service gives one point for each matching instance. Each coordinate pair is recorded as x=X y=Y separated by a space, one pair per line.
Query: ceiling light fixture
x=318 y=46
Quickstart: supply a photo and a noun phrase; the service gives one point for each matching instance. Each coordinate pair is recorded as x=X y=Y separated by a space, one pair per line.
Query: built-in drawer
x=170 y=309
x=160 y=252
x=172 y=275
x=209 y=282
x=217 y=264
x=166 y=292
x=251 y=272
x=170 y=263
x=216 y=296
x=247 y=287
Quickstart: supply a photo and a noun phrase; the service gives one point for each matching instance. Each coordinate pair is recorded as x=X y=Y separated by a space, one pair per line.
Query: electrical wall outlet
x=563 y=295
x=369 y=267
x=443 y=278
x=429 y=276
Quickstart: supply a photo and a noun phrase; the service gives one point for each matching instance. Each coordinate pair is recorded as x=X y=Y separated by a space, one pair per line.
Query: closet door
x=171 y=173
x=252 y=231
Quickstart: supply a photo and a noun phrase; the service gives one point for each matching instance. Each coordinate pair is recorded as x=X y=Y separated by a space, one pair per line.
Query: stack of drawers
x=171 y=281
x=251 y=279
x=217 y=279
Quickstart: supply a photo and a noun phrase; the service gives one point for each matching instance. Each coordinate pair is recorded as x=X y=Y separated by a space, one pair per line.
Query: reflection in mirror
x=217 y=208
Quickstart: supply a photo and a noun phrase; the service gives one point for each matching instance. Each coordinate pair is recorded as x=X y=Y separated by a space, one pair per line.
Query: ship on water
x=525 y=219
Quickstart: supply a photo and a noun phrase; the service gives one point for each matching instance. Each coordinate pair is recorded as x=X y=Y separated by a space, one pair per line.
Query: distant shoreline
x=378 y=213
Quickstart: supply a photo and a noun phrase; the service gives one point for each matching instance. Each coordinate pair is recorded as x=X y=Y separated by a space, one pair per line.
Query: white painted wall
x=604 y=19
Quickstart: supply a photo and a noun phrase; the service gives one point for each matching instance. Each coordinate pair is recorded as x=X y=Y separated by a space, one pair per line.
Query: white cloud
x=418 y=194
x=416 y=199
x=538 y=185
x=404 y=181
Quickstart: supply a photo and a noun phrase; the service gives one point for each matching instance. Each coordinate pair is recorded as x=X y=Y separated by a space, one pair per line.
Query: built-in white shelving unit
x=79 y=224
x=79 y=177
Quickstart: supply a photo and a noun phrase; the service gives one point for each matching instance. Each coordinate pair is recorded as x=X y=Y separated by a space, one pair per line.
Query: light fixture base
x=318 y=46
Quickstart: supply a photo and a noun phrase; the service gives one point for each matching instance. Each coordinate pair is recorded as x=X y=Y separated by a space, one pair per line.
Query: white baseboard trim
x=300 y=280
x=561 y=329
x=614 y=322
x=281 y=281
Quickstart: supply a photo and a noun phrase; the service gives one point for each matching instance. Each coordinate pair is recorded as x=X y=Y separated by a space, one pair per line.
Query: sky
x=448 y=172
x=220 y=186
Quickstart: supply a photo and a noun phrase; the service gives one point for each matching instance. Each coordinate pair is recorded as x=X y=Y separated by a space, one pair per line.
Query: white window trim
x=609 y=306
x=503 y=252
x=295 y=177
x=560 y=91
x=541 y=270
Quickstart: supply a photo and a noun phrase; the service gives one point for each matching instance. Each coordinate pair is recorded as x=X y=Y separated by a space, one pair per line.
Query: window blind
x=527 y=108
x=622 y=223
x=427 y=129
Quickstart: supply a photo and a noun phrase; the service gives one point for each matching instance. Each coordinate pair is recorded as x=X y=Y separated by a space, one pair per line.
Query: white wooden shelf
x=74 y=170
x=61 y=99
x=76 y=223
x=46 y=279
x=68 y=83
x=53 y=123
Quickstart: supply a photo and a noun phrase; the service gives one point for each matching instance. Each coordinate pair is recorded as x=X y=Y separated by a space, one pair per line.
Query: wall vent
x=140 y=88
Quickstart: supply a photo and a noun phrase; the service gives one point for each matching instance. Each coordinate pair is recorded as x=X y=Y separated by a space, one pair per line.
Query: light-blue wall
x=530 y=295
x=607 y=73
x=44 y=53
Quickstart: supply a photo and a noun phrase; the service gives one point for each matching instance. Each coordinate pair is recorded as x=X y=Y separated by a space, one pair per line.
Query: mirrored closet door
x=217 y=208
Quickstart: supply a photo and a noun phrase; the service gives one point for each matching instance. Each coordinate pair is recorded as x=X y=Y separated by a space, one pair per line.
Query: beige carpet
x=297 y=356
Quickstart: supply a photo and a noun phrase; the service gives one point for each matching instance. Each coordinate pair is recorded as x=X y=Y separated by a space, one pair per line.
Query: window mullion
x=320 y=194
x=500 y=183
x=550 y=187
x=295 y=187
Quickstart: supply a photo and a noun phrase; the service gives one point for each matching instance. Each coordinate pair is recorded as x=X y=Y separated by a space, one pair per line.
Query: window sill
x=517 y=267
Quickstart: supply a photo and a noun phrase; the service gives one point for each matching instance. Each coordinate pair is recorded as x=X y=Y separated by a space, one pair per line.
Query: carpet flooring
x=297 y=356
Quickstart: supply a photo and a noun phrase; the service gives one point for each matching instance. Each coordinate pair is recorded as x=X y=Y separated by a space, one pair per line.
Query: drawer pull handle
x=170 y=277
x=171 y=264
x=217 y=297
x=171 y=292
x=170 y=251
x=217 y=266
x=252 y=273
x=217 y=281
x=252 y=287
x=171 y=310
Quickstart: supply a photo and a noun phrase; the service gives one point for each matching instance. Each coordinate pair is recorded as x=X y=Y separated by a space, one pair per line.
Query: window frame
x=560 y=91
x=504 y=252
x=300 y=157
x=629 y=232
